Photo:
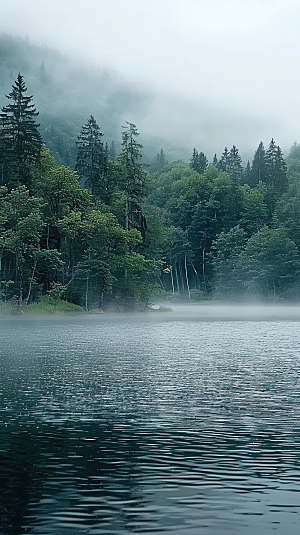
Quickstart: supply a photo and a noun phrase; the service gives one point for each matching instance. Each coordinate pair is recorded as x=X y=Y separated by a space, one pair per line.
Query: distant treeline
x=110 y=234
x=66 y=93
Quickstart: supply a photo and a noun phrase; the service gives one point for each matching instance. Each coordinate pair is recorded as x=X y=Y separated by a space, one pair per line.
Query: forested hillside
x=66 y=93
x=104 y=232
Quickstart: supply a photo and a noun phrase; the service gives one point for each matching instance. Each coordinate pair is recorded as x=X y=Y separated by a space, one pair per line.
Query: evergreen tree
x=202 y=162
x=276 y=171
x=91 y=163
x=194 y=160
x=235 y=168
x=270 y=162
x=258 y=167
x=161 y=161
x=43 y=75
x=223 y=163
x=20 y=140
x=112 y=152
x=247 y=173
x=280 y=175
x=198 y=162
x=132 y=177
x=215 y=160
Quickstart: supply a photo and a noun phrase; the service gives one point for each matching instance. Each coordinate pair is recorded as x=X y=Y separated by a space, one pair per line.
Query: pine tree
x=247 y=174
x=43 y=78
x=202 y=163
x=223 y=163
x=270 y=162
x=215 y=160
x=198 y=161
x=20 y=140
x=280 y=175
x=258 y=168
x=112 y=152
x=276 y=171
x=132 y=177
x=194 y=160
x=235 y=168
x=161 y=160
x=91 y=162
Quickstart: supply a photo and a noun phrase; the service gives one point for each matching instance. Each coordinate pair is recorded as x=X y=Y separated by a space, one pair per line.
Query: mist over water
x=253 y=312
x=184 y=422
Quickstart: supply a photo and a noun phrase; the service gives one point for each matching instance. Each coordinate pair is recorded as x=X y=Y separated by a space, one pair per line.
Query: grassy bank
x=46 y=305
x=49 y=305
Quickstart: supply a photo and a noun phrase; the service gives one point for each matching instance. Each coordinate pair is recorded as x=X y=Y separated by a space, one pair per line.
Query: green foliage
x=198 y=162
x=92 y=159
x=226 y=250
x=270 y=264
x=253 y=211
x=50 y=305
x=20 y=140
x=190 y=230
x=276 y=170
x=259 y=167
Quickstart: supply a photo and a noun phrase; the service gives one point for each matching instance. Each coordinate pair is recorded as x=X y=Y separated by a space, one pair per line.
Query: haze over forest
x=209 y=74
x=97 y=213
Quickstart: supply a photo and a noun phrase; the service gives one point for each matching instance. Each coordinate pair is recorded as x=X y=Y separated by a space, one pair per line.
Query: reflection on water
x=164 y=424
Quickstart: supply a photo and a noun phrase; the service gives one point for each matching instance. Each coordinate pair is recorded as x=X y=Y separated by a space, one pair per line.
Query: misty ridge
x=67 y=93
x=94 y=216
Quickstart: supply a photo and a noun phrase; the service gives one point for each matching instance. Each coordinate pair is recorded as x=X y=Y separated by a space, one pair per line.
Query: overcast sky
x=230 y=68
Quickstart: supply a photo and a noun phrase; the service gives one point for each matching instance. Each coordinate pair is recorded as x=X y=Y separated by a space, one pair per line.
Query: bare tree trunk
x=172 y=280
x=203 y=271
x=182 y=279
x=187 y=278
x=87 y=291
x=20 y=278
x=31 y=281
x=177 y=280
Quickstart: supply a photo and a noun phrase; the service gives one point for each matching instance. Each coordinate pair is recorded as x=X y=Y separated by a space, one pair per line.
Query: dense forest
x=110 y=232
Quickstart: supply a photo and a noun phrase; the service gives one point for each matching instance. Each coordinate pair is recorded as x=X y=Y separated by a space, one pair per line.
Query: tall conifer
x=198 y=161
x=276 y=171
x=20 y=140
x=258 y=167
x=223 y=163
x=91 y=162
x=235 y=168
x=132 y=177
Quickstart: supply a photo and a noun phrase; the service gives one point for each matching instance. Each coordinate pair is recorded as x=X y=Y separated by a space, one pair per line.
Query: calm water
x=163 y=423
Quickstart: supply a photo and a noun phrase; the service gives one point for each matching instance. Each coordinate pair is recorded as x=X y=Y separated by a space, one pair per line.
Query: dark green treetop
x=235 y=168
x=91 y=162
x=198 y=161
x=132 y=177
x=20 y=140
x=223 y=163
x=215 y=160
x=276 y=171
x=258 y=167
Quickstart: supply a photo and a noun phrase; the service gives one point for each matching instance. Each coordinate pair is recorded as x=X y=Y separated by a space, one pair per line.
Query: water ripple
x=188 y=427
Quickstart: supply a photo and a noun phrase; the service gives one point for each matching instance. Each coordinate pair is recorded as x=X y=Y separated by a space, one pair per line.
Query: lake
x=183 y=423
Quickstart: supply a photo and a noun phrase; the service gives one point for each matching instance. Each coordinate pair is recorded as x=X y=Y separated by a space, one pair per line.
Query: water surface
x=180 y=423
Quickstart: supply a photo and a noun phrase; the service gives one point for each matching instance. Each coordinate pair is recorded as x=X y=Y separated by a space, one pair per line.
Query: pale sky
x=225 y=71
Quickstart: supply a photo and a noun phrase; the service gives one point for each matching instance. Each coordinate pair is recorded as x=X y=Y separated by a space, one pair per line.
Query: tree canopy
x=108 y=234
